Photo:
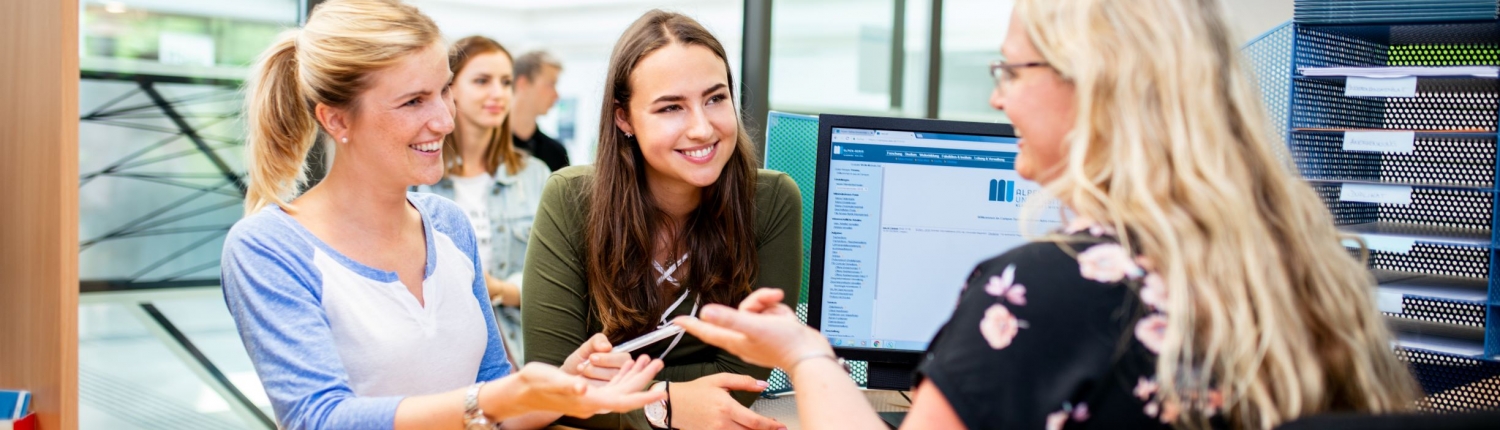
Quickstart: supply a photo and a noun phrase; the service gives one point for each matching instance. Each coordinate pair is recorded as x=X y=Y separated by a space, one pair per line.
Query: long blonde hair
x=1171 y=147
x=325 y=62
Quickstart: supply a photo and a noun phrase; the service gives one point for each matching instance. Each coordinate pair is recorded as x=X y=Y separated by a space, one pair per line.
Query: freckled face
x=402 y=119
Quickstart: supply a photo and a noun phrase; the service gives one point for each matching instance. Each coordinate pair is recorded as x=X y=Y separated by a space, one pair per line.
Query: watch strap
x=474 y=418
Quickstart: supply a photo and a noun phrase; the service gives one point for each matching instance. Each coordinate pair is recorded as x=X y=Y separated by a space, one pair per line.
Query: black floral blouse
x=1052 y=338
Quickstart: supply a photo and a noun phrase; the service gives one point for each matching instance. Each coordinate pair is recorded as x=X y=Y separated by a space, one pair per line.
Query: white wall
x=1254 y=17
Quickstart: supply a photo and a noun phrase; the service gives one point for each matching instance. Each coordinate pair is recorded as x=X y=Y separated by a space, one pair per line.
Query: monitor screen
x=906 y=217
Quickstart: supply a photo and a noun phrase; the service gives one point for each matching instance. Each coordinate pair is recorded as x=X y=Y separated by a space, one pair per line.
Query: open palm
x=549 y=388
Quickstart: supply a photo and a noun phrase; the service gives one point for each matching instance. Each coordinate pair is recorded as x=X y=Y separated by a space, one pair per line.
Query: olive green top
x=557 y=311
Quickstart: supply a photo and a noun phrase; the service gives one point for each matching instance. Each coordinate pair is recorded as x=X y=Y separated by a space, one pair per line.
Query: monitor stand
x=888 y=376
x=892 y=419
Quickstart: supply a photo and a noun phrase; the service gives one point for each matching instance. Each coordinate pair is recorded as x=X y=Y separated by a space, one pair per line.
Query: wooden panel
x=39 y=205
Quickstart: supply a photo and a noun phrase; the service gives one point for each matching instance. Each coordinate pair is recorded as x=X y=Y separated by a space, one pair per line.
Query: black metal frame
x=205 y=145
x=208 y=365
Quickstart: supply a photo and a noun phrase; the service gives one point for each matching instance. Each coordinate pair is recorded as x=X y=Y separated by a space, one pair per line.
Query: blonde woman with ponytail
x=362 y=305
x=1199 y=284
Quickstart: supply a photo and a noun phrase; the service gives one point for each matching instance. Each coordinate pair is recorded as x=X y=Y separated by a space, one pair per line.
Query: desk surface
x=784 y=408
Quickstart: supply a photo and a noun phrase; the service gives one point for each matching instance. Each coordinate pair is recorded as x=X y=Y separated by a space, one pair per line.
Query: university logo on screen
x=1002 y=190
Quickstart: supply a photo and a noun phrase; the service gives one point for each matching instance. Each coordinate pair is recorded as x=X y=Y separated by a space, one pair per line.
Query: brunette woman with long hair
x=673 y=215
x=360 y=304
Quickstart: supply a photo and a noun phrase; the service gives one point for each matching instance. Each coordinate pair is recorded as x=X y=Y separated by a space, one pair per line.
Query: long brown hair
x=623 y=219
x=500 y=149
x=327 y=61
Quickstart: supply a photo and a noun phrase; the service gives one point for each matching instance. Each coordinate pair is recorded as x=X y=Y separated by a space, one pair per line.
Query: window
x=160 y=162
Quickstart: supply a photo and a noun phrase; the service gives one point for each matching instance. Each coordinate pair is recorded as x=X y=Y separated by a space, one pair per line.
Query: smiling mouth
x=428 y=148
x=700 y=154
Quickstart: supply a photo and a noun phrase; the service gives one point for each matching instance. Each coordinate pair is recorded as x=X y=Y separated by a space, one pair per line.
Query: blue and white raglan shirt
x=338 y=344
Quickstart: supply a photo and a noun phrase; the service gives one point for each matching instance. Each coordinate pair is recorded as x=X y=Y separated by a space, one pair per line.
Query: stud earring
x=346 y=139
x=628 y=135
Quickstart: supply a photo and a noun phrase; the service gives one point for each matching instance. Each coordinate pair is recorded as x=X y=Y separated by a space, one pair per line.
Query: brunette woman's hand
x=705 y=403
x=594 y=361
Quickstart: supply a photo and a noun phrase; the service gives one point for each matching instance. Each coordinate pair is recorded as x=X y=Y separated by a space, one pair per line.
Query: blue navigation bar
x=924 y=156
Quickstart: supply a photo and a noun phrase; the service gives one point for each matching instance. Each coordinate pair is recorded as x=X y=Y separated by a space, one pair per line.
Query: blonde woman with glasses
x=1199 y=283
x=363 y=306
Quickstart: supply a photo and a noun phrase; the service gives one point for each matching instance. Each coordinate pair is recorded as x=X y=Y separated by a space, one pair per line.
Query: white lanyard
x=666 y=276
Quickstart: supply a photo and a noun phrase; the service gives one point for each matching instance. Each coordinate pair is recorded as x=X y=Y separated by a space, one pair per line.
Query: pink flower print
x=1005 y=286
x=999 y=326
x=1081 y=412
x=1016 y=295
x=1152 y=332
x=998 y=284
x=1056 y=420
x=1154 y=292
x=1145 y=388
x=1107 y=263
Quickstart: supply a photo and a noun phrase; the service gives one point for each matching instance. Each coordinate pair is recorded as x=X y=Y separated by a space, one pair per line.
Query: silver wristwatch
x=656 y=413
x=474 y=418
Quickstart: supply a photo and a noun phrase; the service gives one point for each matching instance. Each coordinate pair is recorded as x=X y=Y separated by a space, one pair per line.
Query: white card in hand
x=648 y=338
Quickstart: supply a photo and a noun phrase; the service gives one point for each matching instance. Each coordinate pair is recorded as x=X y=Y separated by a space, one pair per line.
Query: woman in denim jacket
x=498 y=186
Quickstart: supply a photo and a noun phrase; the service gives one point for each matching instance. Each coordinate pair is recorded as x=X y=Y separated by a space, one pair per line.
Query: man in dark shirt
x=535 y=93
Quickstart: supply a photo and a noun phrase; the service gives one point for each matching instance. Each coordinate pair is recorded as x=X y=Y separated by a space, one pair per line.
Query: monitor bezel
x=826 y=124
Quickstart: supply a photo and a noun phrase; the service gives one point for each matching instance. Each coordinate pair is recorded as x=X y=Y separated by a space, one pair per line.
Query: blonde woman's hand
x=763 y=331
x=545 y=388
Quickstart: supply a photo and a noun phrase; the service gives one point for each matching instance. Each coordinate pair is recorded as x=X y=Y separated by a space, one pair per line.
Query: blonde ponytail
x=326 y=62
x=282 y=127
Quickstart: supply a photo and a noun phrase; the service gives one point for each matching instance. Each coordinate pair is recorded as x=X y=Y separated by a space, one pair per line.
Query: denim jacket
x=512 y=208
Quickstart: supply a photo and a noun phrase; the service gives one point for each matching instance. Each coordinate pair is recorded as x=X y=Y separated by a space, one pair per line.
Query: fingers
x=781 y=309
x=630 y=401
x=712 y=334
x=639 y=373
x=613 y=360
x=589 y=346
x=603 y=366
x=745 y=417
x=623 y=393
x=599 y=342
x=729 y=318
x=596 y=344
x=736 y=382
x=762 y=299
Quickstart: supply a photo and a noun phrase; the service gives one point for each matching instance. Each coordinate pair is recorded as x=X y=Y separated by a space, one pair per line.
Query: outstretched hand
x=548 y=388
x=763 y=331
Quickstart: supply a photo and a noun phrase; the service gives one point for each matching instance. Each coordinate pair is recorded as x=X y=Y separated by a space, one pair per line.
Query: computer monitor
x=904 y=211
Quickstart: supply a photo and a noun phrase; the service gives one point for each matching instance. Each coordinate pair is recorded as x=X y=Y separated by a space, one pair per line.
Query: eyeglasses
x=1006 y=72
